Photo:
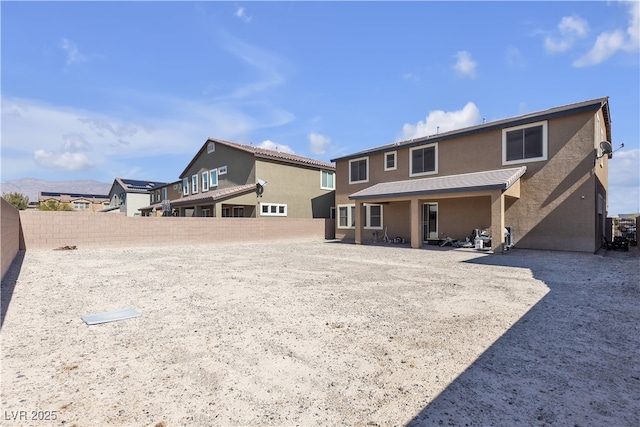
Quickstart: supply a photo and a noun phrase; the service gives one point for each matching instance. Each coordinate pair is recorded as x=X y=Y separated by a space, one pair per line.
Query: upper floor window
x=526 y=143
x=390 y=161
x=157 y=195
x=359 y=170
x=194 y=184
x=185 y=186
x=213 y=173
x=327 y=181
x=205 y=181
x=211 y=147
x=165 y=193
x=423 y=160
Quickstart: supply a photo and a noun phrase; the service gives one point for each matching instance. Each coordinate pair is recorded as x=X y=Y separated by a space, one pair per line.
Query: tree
x=54 y=205
x=17 y=200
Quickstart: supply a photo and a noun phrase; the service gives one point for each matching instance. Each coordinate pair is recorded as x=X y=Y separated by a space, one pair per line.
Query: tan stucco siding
x=297 y=187
x=557 y=208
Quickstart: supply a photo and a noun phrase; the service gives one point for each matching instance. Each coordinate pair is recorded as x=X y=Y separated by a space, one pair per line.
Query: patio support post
x=358 y=221
x=497 y=222
x=415 y=223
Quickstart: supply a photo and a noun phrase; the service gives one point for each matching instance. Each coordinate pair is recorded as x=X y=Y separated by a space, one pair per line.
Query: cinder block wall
x=10 y=220
x=51 y=230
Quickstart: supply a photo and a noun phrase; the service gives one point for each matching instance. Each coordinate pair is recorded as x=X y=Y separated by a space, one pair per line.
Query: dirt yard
x=321 y=334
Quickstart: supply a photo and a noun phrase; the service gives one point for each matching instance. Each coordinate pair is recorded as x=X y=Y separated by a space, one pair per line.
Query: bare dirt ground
x=321 y=333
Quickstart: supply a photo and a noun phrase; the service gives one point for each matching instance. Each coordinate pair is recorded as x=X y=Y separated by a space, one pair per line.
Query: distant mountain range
x=30 y=187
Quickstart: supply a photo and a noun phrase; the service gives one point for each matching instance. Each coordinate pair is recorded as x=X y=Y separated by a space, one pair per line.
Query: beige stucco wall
x=50 y=230
x=297 y=187
x=557 y=207
x=10 y=233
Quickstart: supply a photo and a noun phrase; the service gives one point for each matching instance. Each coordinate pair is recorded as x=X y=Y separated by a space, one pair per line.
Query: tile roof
x=138 y=186
x=68 y=197
x=213 y=196
x=499 y=179
x=264 y=153
x=498 y=124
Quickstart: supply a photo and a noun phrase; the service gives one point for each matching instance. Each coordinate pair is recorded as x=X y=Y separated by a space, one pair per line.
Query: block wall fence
x=10 y=236
x=46 y=230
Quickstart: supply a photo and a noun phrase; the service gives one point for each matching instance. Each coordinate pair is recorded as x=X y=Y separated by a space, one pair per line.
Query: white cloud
x=624 y=182
x=242 y=14
x=465 y=66
x=609 y=43
x=318 y=143
x=571 y=28
x=60 y=134
x=65 y=160
x=270 y=145
x=514 y=58
x=441 y=121
x=411 y=76
x=73 y=54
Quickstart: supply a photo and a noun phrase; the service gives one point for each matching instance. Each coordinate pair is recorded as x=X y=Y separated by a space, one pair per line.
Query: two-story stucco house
x=543 y=176
x=130 y=195
x=228 y=179
x=75 y=201
x=161 y=198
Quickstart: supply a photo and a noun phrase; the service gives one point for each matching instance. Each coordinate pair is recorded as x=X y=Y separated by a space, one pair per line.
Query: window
x=527 y=143
x=211 y=147
x=214 y=177
x=423 y=160
x=194 y=184
x=359 y=170
x=157 y=195
x=205 y=181
x=222 y=170
x=80 y=205
x=346 y=216
x=151 y=196
x=238 y=211
x=373 y=216
x=165 y=193
x=273 y=209
x=185 y=186
x=327 y=181
x=390 y=161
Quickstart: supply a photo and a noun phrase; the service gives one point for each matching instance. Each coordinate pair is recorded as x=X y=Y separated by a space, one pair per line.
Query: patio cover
x=500 y=179
x=213 y=196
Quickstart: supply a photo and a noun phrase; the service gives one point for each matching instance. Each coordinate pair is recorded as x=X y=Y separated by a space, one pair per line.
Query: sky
x=99 y=90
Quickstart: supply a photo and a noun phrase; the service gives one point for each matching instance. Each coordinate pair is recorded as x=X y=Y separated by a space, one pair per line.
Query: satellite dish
x=606 y=148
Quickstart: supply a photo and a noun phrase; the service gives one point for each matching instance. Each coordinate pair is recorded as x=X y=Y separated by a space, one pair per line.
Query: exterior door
x=429 y=221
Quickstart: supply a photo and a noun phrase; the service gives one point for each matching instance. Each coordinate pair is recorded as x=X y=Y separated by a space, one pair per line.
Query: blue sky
x=98 y=90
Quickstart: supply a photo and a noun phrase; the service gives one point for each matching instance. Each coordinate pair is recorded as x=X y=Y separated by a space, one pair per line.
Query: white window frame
x=211 y=147
x=158 y=195
x=350 y=216
x=185 y=186
x=367 y=216
x=165 y=193
x=395 y=161
x=422 y=147
x=333 y=180
x=212 y=173
x=366 y=170
x=276 y=207
x=545 y=144
x=194 y=184
x=222 y=170
x=205 y=181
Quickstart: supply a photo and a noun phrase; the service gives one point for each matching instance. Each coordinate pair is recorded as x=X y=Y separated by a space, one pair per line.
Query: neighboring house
x=543 y=175
x=77 y=202
x=161 y=199
x=129 y=195
x=227 y=179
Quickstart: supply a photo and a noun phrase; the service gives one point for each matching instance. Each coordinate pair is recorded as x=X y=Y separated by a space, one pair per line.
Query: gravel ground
x=322 y=333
